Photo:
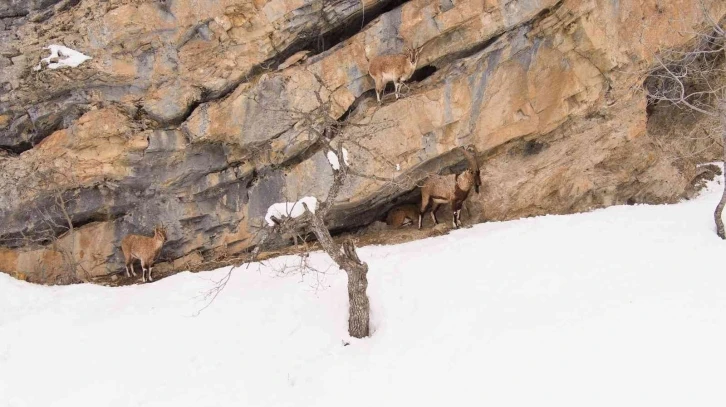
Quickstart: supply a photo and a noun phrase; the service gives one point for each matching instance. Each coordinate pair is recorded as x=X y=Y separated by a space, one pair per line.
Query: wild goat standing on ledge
x=393 y=68
x=143 y=248
x=453 y=188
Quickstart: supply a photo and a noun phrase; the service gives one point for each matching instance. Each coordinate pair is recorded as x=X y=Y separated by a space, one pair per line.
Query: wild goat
x=453 y=188
x=393 y=68
x=143 y=248
x=402 y=216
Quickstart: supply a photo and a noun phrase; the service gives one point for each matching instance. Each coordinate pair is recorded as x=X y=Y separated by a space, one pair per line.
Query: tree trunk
x=347 y=259
x=359 y=309
x=719 y=208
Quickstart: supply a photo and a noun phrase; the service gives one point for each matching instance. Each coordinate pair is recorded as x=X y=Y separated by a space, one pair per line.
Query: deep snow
x=624 y=306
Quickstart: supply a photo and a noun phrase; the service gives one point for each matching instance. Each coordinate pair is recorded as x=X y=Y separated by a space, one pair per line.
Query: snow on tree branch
x=290 y=209
x=333 y=159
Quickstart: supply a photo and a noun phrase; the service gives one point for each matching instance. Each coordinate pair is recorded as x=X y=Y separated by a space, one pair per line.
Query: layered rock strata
x=180 y=116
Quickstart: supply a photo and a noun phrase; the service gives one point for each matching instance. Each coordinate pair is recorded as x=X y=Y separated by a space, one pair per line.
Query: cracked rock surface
x=180 y=116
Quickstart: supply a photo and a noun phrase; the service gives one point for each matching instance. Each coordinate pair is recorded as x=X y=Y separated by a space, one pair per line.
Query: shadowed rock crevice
x=422 y=73
x=22 y=8
x=355 y=24
x=347 y=216
x=317 y=40
x=45 y=220
x=322 y=29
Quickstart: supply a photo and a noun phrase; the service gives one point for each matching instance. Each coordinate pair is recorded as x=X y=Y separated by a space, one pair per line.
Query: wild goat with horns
x=453 y=188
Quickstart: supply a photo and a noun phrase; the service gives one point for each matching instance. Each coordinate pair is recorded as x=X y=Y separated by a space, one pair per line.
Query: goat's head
x=160 y=233
x=413 y=54
x=470 y=152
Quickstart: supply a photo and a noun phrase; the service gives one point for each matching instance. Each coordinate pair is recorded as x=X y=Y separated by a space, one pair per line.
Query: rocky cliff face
x=181 y=117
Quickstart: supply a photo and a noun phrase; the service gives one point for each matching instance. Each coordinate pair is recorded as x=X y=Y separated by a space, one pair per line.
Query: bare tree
x=344 y=255
x=696 y=80
x=330 y=135
x=327 y=134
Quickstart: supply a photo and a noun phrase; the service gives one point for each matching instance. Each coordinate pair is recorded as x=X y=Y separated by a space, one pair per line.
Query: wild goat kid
x=393 y=68
x=403 y=215
x=143 y=248
x=453 y=188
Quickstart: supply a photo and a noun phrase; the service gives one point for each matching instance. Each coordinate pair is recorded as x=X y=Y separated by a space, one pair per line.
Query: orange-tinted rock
x=179 y=118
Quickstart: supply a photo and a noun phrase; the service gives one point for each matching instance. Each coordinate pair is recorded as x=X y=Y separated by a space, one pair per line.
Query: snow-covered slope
x=619 y=307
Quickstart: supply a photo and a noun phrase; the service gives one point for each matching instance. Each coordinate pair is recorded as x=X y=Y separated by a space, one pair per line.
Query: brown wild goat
x=143 y=248
x=402 y=216
x=393 y=68
x=453 y=188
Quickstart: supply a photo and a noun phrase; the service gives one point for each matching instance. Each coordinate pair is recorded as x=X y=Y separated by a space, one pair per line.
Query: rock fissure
x=327 y=38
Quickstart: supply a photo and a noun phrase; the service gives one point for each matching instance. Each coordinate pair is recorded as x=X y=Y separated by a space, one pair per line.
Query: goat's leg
x=130 y=269
x=397 y=87
x=150 y=268
x=425 y=200
x=457 y=214
x=143 y=271
x=434 y=208
x=380 y=88
x=457 y=220
x=128 y=260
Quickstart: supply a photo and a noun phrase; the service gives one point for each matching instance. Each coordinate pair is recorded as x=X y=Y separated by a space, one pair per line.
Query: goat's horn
x=420 y=49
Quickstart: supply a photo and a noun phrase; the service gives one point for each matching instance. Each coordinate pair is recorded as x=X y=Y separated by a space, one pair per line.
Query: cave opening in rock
x=352 y=26
x=325 y=38
x=16 y=149
x=371 y=219
x=533 y=147
x=422 y=73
